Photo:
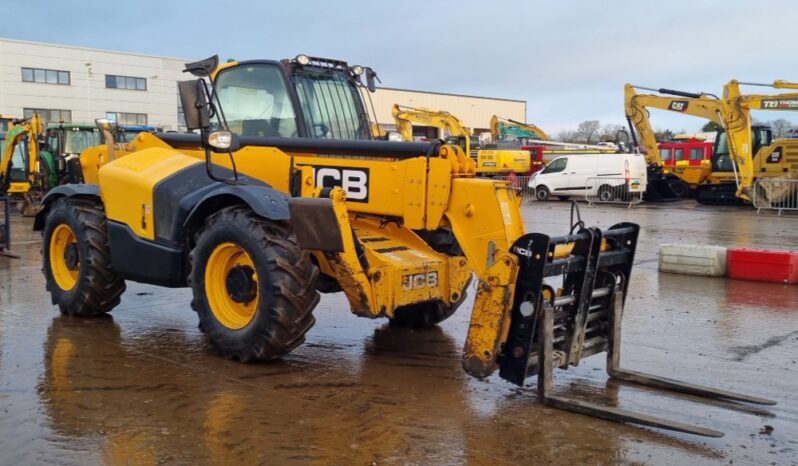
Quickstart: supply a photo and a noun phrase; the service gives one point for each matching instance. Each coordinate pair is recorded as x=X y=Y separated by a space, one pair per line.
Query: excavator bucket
x=664 y=187
x=556 y=325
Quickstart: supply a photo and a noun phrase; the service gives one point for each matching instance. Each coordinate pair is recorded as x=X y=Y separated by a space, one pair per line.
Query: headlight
x=220 y=140
x=357 y=70
x=303 y=59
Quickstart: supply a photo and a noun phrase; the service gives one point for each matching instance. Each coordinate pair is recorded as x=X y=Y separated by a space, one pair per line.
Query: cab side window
x=557 y=165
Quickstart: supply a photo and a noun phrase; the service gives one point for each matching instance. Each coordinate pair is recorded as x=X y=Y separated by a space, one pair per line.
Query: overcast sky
x=568 y=59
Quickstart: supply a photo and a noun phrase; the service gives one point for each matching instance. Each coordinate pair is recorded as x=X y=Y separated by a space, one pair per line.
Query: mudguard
x=66 y=190
x=266 y=201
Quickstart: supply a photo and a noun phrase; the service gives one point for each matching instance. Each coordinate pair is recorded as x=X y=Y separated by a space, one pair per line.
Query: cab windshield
x=76 y=141
x=18 y=170
x=330 y=104
x=255 y=101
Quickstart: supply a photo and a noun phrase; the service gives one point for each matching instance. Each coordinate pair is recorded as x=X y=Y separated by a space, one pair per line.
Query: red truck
x=689 y=151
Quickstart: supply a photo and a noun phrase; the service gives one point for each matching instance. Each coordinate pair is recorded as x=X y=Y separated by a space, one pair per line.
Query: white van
x=605 y=176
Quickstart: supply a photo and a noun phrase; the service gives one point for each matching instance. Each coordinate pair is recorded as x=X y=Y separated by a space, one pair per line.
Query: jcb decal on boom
x=354 y=181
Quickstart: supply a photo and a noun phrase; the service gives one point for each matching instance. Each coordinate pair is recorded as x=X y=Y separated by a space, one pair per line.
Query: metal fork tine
x=545 y=386
x=622 y=415
x=614 y=369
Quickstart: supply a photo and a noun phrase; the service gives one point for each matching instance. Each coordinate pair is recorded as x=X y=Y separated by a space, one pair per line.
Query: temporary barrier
x=775 y=194
x=521 y=185
x=692 y=259
x=763 y=265
x=614 y=190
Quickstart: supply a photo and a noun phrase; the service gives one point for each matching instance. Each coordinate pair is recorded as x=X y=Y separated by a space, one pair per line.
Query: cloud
x=568 y=59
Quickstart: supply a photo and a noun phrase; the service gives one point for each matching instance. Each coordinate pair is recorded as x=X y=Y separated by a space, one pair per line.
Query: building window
x=127 y=119
x=125 y=82
x=49 y=115
x=38 y=75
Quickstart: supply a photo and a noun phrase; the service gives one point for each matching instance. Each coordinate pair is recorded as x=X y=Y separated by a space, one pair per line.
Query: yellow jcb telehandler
x=283 y=194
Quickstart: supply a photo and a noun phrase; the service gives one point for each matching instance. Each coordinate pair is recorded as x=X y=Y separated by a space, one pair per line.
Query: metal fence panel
x=521 y=185
x=775 y=194
x=613 y=190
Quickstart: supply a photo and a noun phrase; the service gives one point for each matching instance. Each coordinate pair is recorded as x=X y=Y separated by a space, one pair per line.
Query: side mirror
x=371 y=76
x=195 y=105
x=104 y=124
x=203 y=68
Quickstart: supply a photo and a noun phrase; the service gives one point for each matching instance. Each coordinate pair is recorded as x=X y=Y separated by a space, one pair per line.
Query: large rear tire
x=77 y=258
x=254 y=288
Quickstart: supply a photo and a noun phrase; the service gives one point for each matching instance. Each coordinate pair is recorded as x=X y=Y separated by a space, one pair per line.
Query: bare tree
x=610 y=132
x=663 y=135
x=587 y=131
x=567 y=136
x=780 y=127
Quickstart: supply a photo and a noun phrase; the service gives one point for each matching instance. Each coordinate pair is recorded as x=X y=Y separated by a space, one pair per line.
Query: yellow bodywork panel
x=503 y=161
x=128 y=183
x=18 y=187
x=485 y=216
x=401 y=268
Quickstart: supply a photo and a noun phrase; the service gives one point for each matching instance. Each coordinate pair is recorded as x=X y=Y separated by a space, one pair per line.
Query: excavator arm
x=405 y=117
x=737 y=121
x=636 y=105
x=500 y=128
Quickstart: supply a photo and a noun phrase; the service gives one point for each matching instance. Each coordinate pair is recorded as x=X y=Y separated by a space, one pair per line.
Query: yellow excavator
x=23 y=170
x=490 y=161
x=667 y=183
x=745 y=152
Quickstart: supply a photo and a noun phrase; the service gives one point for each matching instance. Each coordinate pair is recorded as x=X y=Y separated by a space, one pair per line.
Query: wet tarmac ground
x=142 y=387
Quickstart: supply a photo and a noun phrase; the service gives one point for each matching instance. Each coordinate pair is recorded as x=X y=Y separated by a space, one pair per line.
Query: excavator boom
x=501 y=128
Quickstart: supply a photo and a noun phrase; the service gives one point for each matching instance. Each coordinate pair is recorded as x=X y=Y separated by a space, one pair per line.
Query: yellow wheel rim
x=231 y=285
x=64 y=257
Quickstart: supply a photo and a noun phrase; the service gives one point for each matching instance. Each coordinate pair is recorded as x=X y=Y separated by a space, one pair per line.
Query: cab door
x=556 y=176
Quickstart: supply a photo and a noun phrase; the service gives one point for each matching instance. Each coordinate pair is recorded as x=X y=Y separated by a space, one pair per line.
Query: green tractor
x=63 y=143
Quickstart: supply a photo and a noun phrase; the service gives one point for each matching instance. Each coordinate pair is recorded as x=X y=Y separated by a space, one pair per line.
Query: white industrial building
x=80 y=84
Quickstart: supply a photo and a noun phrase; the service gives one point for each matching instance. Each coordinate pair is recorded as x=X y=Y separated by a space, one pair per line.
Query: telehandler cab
x=283 y=194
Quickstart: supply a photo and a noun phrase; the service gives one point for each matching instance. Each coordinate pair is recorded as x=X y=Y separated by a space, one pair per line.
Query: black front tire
x=542 y=193
x=286 y=286
x=98 y=288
